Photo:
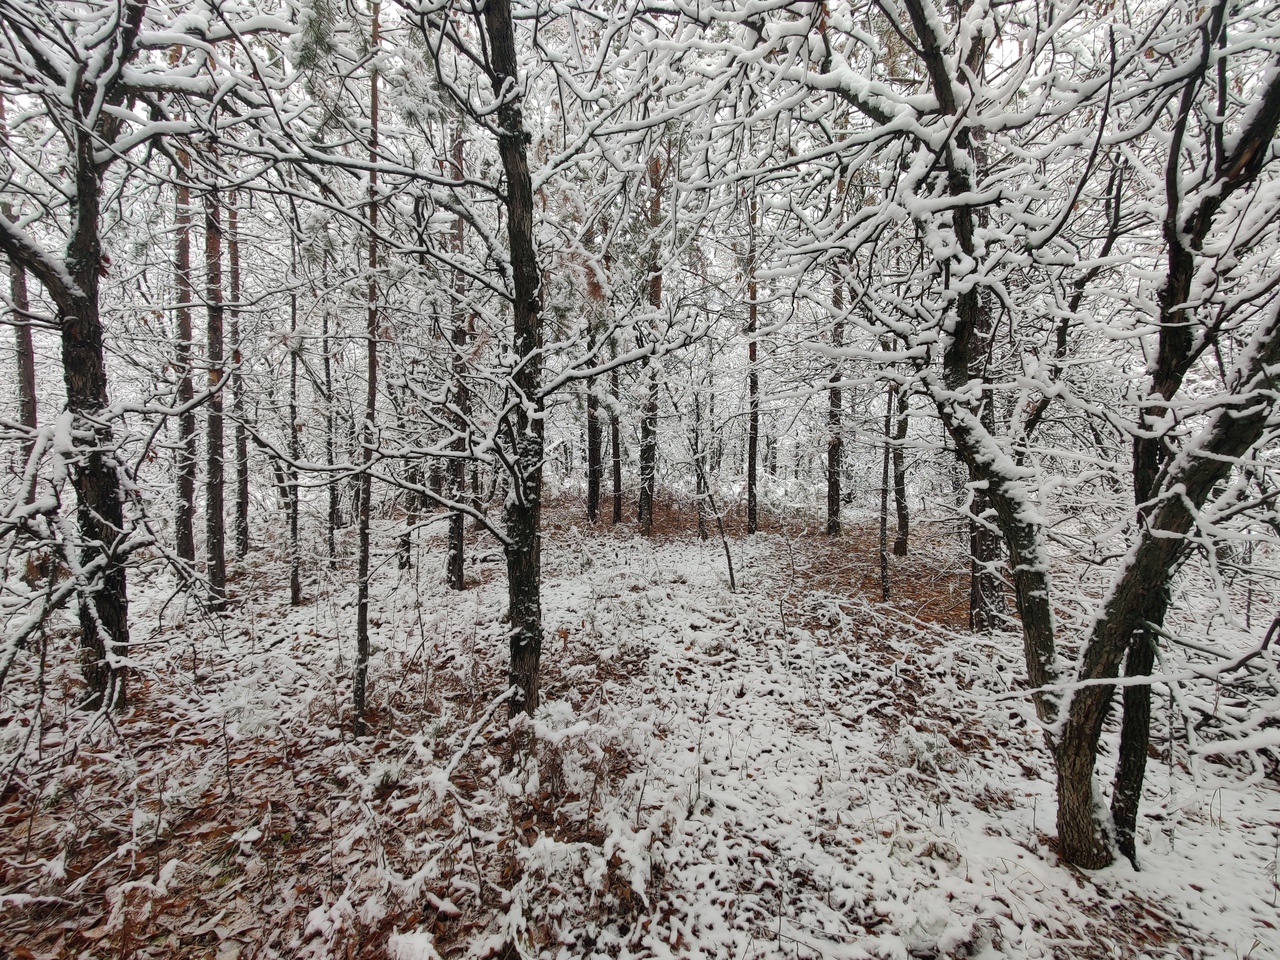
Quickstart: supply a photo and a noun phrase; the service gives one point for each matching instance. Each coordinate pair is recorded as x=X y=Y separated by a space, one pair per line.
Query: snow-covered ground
x=788 y=770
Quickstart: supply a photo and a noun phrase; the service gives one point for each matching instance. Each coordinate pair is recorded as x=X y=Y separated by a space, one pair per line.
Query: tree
x=77 y=90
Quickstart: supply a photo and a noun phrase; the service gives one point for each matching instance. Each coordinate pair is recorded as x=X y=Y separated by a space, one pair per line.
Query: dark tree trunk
x=595 y=452
x=986 y=590
x=649 y=416
x=595 y=429
x=702 y=494
x=461 y=396
x=215 y=525
x=412 y=516
x=524 y=426
x=295 y=454
x=334 y=515
x=1135 y=736
x=23 y=347
x=835 y=409
x=884 y=497
x=753 y=375
x=615 y=444
x=359 y=685
x=648 y=450
x=26 y=357
x=185 y=465
x=241 y=508
x=900 y=480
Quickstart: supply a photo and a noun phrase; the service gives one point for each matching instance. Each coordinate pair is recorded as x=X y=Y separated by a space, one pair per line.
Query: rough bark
x=900 y=480
x=185 y=465
x=649 y=414
x=456 y=574
x=360 y=680
x=753 y=372
x=214 y=489
x=884 y=497
x=835 y=408
x=615 y=444
x=524 y=426
x=240 y=509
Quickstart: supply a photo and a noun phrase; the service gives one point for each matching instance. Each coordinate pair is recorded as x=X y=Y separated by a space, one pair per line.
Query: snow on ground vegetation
x=788 y=770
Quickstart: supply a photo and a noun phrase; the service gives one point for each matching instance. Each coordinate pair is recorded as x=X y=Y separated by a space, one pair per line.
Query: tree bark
x=615 y=442
x=215 y=524
x=461 y=397
x=753 y=374
x=649 y=417
x=26 y=357
x=900 y=480
x=360 y=681
x=884 y=496
x=185 y=465
x=835 y=408
x=240 y=512
x=524 y=426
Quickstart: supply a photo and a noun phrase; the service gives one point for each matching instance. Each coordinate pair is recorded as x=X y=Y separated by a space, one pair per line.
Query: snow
x=789 y=770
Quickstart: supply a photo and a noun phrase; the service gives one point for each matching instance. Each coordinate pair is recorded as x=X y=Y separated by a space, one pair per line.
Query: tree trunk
x=370 y=407
x=884 y=496
x=595 y=452
x=23 y=347
x=295 y=454
x=523 y=505
x=461 y=396
x=1135 y=736
x=26 y=357
x=701 y=494
x=900 y=480
x=240 y=511
x=334 y=516
x=649 y=417
x=835 y=408
x=615 y=440
x=185 y=465
x=214 y=524
x=753 y=375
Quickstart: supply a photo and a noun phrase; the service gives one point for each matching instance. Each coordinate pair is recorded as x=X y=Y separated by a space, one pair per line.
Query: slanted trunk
x=1135 y=735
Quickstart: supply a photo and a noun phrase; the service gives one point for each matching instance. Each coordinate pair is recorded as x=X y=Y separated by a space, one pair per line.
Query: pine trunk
x=185 y=465
x=240 y=510
x=835 y=409
x=215 y=525
x=900 y=480
x=360 y=683
x=753 y=376
x=523 y=505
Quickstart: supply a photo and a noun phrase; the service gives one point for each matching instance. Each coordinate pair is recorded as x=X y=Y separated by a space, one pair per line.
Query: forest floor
x=793 y=769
